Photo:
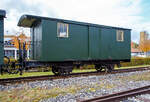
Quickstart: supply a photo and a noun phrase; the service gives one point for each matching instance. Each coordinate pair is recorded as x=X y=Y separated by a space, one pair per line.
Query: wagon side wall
x=36 y=42
x=112 y=49
x=72 y=48
x=1 y=39
x=84 y=43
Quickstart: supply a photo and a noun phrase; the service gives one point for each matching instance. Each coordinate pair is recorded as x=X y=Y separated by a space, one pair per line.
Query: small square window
x=120 y=35
x=62 y=30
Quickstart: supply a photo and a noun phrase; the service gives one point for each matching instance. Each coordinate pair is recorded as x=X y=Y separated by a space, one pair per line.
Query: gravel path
x=71 y=89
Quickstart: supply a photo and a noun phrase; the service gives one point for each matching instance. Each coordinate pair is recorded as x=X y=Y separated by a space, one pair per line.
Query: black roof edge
x=38 y=18
x=2 y=13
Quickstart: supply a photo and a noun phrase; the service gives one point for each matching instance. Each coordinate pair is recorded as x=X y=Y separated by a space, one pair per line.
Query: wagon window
x=120 y=35
x=62 y=30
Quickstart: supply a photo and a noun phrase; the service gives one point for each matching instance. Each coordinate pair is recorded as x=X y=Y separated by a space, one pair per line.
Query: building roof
x=9 y=36
x=135 y=50
x=12 y=36
x=2 y=13
x=11 y=40
x=31 y=20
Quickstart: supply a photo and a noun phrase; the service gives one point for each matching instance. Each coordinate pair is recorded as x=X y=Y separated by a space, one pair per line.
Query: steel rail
x=116 y=97
x=51 y=77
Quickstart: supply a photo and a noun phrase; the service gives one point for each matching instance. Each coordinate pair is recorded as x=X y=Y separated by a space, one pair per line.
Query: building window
x=120 y=35
x=62 y=30
x=9 y=53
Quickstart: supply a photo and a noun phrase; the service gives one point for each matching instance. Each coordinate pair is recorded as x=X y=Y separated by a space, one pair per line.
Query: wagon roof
x=2 y=13
x=30 y=20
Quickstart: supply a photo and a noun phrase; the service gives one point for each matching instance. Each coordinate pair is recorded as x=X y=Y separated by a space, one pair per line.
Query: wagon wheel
x=110 y=68
x=6 y=60
x=1 y=69
x=13 y=68
x=67 y=70
x=62 y=70
x=55 y=70
x=4 y=67
x=98 y=68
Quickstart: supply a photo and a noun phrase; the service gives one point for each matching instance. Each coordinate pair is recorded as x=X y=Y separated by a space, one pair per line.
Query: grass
x=26 y=74
x=133 y=66
x=140 y=77
x=26 y=94
x=83 y=70
x=35 y=94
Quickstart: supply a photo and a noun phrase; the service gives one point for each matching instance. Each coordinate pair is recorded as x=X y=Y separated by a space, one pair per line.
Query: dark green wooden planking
x=58 y=49
x=2 y=15
x=94 y=43
x=85 y=42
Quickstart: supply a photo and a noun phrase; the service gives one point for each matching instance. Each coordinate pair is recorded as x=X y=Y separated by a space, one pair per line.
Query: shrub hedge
x=137 y=61
x=134 y=62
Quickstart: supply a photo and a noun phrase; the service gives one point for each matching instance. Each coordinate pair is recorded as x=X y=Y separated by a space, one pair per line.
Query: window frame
x=122 y=35
x=59 y=33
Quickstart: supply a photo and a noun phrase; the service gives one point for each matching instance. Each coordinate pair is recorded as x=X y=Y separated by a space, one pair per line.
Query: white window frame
x=59 y=34
x=122 y=35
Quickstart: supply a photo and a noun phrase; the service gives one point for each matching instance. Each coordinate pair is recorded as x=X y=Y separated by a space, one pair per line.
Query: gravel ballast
x=71 y=89
x=139 y=98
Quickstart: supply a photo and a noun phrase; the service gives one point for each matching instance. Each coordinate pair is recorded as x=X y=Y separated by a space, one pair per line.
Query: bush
x=136 y=61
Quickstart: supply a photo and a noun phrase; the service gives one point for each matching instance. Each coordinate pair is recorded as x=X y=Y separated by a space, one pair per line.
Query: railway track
x=117 y=97
x=52 y=77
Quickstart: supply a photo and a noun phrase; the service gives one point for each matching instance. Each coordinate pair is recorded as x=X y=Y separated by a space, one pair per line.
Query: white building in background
x=10 y=50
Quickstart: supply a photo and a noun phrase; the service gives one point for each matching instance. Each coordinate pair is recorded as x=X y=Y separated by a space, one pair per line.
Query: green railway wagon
x=66 y=42
x=2 y=15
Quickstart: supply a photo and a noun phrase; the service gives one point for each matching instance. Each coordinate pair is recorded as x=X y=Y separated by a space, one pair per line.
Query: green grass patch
x=133 y=66
x=27 y=74
x=137 y=61
x=139 y=77
x=35 y=94
x=83 y=70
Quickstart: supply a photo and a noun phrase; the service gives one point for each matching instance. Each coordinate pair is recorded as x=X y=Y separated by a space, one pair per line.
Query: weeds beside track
x=52 y=77
x=116 y=97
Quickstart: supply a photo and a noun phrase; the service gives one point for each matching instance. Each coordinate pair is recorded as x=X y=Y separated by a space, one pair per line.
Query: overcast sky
x=133 y=14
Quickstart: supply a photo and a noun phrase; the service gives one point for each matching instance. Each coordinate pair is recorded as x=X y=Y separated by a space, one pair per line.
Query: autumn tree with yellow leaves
x=144 y=44
x=22 y=39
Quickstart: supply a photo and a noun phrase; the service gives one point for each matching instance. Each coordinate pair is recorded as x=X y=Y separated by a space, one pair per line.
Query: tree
x=145 y=46
x=22 y=39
